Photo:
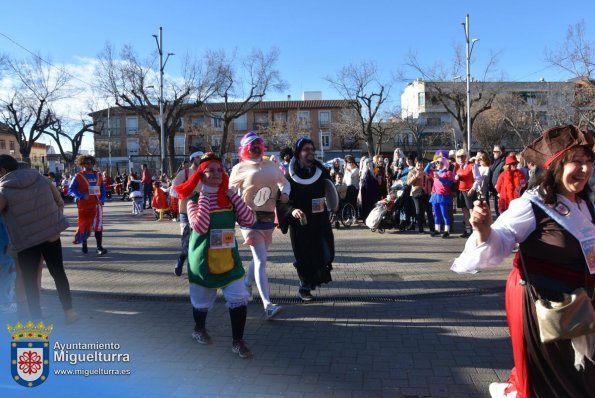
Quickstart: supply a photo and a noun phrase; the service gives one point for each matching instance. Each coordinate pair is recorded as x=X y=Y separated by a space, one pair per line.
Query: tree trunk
x=223 y=147
x=170 y=155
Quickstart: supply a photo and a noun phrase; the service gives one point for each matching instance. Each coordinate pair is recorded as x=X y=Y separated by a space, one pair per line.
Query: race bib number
x=222 y=239
x=318 y=205
x=94 y=190
x=262 y=196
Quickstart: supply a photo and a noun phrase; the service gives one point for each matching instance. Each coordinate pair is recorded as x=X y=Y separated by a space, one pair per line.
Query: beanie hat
x=510 y=159
x=300 y=144
x=248 y=138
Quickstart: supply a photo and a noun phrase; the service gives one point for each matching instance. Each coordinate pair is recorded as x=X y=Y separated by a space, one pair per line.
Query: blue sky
x=316 y=38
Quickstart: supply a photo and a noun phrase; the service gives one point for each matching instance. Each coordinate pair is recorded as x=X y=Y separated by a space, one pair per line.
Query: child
x=213 y=259
x=340 y=186
x=134 y=186
x=159 y=203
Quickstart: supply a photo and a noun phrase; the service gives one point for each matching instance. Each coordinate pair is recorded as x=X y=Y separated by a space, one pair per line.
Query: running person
x=258 y=181
x=88 y=188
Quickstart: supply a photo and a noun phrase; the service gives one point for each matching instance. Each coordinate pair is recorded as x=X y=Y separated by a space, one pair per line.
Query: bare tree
x=280 y=134
x=452 y=95
x=133 y=84
x=361 y=85
x=576 y=56
x=414 y=129
x=347 y=127
x=242 y=85
x=26 y=108
x=61 y=135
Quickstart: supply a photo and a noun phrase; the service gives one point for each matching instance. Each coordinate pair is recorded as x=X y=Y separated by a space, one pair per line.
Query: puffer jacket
x=34 y=212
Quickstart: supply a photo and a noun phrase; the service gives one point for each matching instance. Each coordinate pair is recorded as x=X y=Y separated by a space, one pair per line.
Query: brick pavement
x=395 y=322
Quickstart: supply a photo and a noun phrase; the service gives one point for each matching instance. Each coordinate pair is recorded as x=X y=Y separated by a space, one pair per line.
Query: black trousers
x=29 y=262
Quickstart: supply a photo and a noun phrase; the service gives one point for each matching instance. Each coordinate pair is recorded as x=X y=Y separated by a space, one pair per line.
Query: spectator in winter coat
x=33 y=211
x=510 y=183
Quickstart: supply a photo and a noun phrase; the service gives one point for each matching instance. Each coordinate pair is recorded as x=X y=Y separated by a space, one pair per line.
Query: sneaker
x=272 y=310
x=497 y=390
x=445 y=235
x=202 y=336
x=305 y=295
x=434 y=233
x=179 y=267
x=101 y=250
x=85 y=249
x=239 y=347
x=465 y=234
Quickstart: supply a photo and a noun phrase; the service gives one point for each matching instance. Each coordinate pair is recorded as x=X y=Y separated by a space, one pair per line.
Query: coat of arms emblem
x=29 y=353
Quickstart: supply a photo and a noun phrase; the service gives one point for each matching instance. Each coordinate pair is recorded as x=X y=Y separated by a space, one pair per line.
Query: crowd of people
x=539 y=196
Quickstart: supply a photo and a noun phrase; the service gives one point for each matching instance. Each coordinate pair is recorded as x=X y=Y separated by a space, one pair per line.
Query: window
x=217 y=121
x=180 y=144
x=303 y=119
x=132 y=125
x=114 y=126
x=181 y=124
x=198 y=122
x=433 y=122
x=326 y=140
x=280 y=117
x=114 y=147
x=261 y=119
x=132 y=146
x=324 y=118
x=421 y=99
x=238 y=141
x=11 y=145
x=215 y=142
x=153 y=148
x=2 y=144
x=241 y=122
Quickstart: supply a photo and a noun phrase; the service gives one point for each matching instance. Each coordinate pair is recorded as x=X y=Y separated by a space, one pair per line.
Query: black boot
x=99 y=239
x=84 y=249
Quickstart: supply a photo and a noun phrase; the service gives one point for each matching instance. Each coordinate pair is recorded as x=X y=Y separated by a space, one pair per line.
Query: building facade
x=548 y=102
x=10 y=146
x=127 y=140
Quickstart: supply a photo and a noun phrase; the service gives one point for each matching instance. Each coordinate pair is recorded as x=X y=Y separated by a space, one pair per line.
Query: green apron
x=210 y=267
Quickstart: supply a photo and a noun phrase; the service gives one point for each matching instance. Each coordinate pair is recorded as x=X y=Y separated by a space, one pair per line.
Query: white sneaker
x=497 y=390
x=272 y=310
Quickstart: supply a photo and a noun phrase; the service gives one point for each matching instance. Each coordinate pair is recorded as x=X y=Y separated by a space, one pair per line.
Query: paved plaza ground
x=395 y=321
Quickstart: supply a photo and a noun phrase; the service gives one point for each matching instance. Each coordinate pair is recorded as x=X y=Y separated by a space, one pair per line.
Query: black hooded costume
x=313 y=243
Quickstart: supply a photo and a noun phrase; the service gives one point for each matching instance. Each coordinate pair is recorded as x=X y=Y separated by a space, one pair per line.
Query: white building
x=419 y=101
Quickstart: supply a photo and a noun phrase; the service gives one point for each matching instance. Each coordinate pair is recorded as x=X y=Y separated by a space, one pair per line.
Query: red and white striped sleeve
x=244 y=214
x=199 y=214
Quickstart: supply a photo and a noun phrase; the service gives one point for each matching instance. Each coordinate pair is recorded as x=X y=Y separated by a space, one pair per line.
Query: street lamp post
x=109 y=143
x=469 y=47
x=161 y=69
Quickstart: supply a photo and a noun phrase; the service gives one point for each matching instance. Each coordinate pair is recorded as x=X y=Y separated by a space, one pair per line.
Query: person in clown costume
x=213 y=258
x=88 y=188
x=258 y=181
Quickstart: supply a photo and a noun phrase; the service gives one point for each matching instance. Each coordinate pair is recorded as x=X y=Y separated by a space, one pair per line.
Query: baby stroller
x=382 y=216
